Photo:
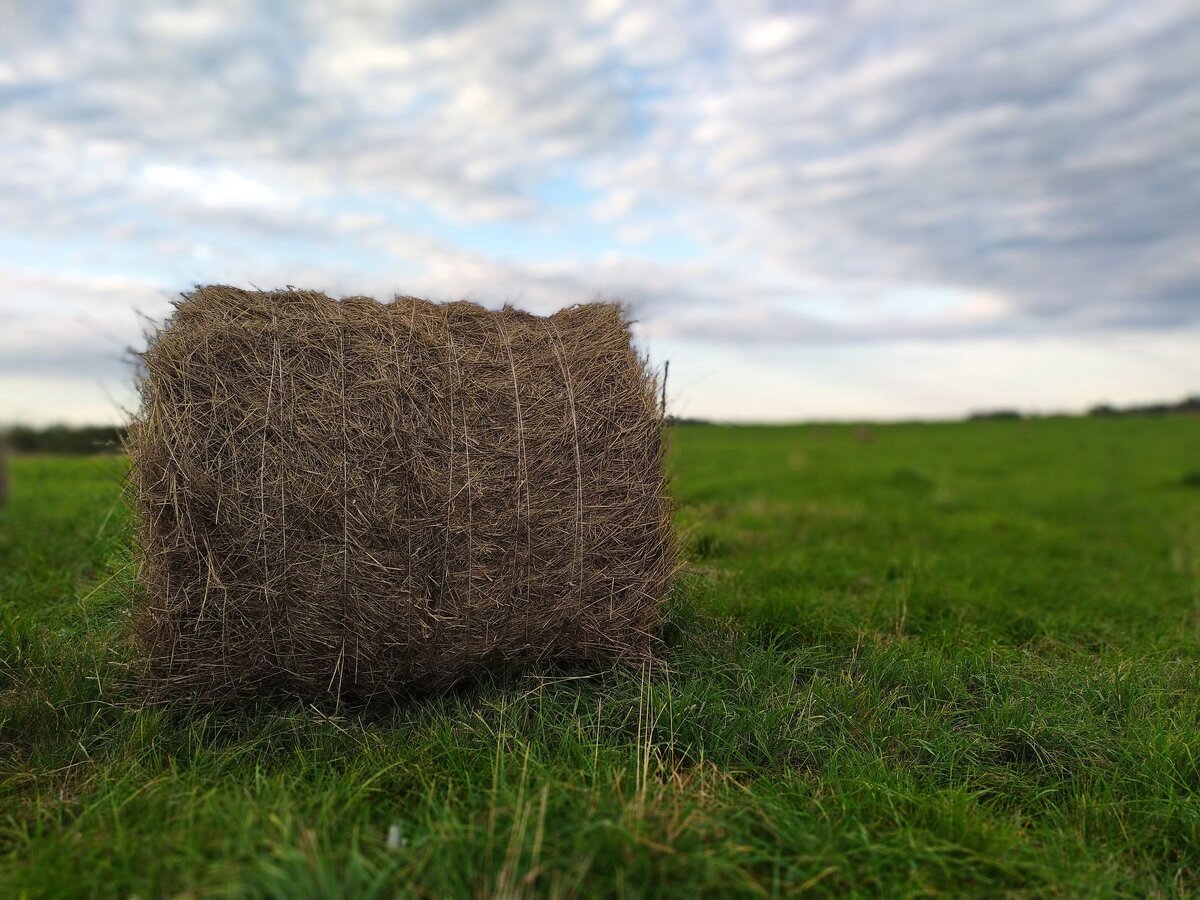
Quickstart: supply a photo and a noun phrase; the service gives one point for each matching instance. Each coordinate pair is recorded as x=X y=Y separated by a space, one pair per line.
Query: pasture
x=904 y=659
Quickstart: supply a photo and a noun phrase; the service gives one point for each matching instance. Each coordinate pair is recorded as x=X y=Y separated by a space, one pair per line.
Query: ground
x=903 y=659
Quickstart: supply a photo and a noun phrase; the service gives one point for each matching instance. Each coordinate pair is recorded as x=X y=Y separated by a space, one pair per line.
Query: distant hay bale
x=352 y=499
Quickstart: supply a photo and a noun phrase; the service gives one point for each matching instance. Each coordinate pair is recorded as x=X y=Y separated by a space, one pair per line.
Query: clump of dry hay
x=350 y=499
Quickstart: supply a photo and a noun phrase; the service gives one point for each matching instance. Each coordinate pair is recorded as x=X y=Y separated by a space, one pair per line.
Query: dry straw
x=350 y=499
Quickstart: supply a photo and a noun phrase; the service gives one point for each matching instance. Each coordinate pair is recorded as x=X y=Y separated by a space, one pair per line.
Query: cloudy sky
x=816 y=210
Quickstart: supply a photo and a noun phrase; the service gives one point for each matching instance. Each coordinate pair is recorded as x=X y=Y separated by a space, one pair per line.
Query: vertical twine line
x=262 y=489
x=212 y=565
x=522 y=470
x=467 y=485
x=446 y=589
x=560 y=352
x=338 y=668
x=287 y=609
x=400 y=381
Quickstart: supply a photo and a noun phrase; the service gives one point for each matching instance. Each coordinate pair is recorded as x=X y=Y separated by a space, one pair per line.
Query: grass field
x=909 y=659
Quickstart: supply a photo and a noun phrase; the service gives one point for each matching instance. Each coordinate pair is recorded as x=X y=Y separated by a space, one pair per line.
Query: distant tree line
x=1187 y=405
x=85 y=440
x=1000 y=414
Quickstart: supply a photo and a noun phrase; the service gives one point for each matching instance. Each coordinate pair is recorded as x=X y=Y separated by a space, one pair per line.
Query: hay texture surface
x=350 y=498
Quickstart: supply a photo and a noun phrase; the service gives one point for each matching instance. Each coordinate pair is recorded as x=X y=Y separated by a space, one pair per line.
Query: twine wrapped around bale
x=351 y=499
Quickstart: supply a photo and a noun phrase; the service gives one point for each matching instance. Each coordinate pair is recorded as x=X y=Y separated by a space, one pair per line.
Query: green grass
x=915 y=659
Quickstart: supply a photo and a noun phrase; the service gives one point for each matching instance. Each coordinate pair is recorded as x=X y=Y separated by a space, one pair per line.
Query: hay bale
x=349 y=498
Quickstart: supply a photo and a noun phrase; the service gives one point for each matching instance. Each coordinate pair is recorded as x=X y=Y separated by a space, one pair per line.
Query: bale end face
x=353 y=499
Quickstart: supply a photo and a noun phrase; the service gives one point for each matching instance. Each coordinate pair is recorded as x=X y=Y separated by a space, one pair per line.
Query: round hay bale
x=350 y=498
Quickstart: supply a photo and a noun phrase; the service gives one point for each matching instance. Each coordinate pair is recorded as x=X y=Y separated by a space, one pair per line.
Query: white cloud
x=772 y=34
